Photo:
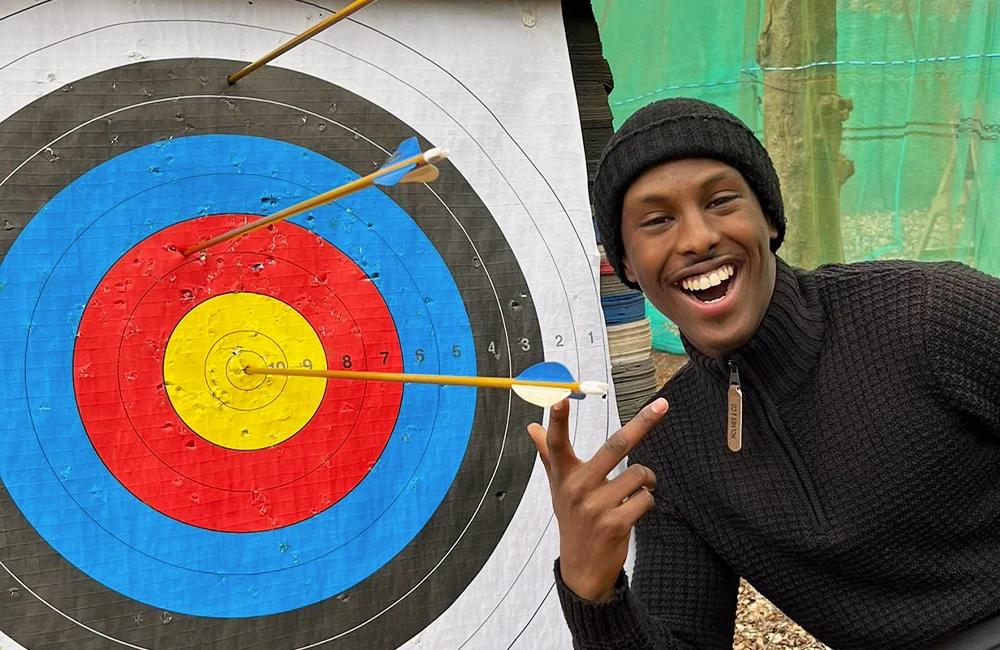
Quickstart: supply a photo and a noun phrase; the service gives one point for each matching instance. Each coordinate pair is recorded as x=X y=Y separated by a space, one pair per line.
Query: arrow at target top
x=406 y=165
x=323 y=25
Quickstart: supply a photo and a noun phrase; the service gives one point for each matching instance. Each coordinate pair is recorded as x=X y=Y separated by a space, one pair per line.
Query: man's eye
x=656 y=220
x=722 y=200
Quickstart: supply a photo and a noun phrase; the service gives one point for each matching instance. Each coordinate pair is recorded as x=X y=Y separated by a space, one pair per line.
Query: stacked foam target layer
x=630 y=342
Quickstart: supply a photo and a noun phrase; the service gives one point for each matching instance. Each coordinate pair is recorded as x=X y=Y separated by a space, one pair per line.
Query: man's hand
x=595 y=515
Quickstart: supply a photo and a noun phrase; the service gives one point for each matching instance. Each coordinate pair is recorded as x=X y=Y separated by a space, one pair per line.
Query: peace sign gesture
x=595 y=515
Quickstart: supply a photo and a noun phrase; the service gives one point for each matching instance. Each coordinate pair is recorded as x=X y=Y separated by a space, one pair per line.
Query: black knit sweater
x=865 y=502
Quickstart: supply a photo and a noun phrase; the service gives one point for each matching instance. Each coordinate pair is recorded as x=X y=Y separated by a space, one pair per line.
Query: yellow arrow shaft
x=399 y=377
x=315 y=202
x=323 y=25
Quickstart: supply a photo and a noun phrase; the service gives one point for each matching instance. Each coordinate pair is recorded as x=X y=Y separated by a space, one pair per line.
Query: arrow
x=322 y=25
x=543 y=384
x=400 y=168
x=406 y=165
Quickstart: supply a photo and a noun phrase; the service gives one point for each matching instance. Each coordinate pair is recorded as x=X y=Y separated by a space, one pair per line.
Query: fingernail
x=559 y=407
x=659 y=406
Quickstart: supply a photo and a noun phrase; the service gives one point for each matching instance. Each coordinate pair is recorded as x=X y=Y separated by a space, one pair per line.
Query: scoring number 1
x=561 y=342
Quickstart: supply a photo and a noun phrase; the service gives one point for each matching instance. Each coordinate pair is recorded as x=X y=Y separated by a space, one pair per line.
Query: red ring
x=157 y=457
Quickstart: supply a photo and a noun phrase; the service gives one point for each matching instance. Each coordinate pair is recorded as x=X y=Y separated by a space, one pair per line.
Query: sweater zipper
x=734 y=410
x=790 y=451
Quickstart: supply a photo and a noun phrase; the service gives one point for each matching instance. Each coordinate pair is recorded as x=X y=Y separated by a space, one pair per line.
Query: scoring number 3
x=456 y=351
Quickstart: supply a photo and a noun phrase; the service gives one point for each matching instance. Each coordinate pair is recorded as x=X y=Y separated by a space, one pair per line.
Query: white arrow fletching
x=540 y=396
x=593 y=388
x=435 y=155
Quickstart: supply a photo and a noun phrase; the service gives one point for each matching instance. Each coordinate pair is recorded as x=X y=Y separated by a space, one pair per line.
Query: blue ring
x=64 y=490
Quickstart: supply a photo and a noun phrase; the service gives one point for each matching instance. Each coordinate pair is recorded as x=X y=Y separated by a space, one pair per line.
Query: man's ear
x=772 y=229
x=628 y=269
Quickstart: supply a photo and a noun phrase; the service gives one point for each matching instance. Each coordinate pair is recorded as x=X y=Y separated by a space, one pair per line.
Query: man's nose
x=698 y=234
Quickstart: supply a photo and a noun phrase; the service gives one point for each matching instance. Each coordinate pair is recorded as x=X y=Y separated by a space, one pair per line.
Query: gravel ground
x=759 y=624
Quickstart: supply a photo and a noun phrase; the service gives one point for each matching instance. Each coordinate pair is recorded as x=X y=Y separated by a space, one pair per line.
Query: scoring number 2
x=525 y=344
x=456 y=351
x=561 y=342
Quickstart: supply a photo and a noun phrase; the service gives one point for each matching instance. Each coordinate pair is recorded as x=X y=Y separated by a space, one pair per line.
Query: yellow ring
x=203 y=369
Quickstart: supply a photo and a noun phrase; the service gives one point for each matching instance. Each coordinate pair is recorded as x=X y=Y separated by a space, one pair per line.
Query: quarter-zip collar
x=784 y=350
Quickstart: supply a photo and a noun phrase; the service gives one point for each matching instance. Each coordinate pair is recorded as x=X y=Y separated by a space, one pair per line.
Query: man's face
x=698 y=244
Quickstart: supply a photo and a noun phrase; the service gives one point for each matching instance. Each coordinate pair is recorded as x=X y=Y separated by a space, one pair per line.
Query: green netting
x=919 y=146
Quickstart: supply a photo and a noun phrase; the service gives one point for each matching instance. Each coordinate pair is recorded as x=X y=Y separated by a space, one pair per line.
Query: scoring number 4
x=456 y=351
x=525 y=344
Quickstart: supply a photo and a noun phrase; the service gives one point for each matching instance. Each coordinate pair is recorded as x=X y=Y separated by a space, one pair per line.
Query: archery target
x=153 y=498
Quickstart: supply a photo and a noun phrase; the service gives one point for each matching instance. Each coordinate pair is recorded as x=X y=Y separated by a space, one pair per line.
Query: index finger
x=625 y=439
x=560 y=449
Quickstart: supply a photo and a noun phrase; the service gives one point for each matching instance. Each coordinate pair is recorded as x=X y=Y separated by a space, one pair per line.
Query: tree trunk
x=803 y=124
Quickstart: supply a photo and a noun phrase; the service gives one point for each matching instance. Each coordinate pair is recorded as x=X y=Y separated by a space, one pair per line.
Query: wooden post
x=803 y=124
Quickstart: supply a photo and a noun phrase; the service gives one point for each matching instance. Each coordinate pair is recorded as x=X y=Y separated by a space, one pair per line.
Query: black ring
x=160 y=102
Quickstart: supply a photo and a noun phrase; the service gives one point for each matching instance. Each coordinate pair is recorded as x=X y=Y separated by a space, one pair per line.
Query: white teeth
x=713 y=279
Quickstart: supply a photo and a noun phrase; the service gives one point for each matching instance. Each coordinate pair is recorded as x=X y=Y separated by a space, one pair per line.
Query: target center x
x=209 y=388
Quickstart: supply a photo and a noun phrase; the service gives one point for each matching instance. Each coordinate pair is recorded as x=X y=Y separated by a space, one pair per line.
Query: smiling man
x=834 y=439
x=697 y=268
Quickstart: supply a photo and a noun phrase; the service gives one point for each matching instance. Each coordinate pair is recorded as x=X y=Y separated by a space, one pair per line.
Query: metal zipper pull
x=734 y=410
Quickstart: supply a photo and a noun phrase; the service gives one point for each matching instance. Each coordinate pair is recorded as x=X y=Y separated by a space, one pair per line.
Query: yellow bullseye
x=204 y=364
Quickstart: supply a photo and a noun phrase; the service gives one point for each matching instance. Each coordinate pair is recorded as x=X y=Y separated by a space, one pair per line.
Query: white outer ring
x=538 y=205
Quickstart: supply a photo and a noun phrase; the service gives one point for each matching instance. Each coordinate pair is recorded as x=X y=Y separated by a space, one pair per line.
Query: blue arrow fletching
x=543 y=396
x=408 y=149
x=547 y=371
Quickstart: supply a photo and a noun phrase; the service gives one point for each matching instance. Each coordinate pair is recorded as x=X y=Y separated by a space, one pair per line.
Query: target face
x=152 y=493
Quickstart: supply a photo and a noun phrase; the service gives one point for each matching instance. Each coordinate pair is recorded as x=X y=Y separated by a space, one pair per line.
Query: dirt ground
x=759 y=624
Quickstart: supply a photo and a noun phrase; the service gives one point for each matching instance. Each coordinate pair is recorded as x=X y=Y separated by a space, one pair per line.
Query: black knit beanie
x=673 y=129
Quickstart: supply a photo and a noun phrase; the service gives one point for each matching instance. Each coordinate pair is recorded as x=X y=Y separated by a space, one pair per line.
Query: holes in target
x=437 y=547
